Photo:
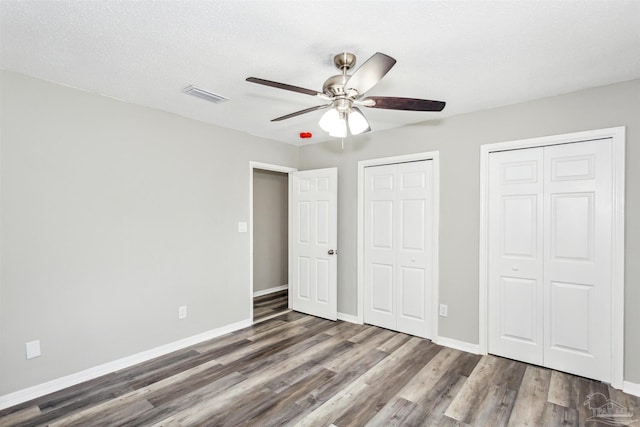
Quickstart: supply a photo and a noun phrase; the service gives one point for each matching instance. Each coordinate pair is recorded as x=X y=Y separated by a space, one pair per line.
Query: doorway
x=269 y=198
x=312 y=224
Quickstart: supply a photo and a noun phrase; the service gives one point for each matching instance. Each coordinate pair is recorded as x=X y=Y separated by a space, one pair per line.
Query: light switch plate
x=242 y=227
x=182 y=312
x=444 y=310
x=33 y=349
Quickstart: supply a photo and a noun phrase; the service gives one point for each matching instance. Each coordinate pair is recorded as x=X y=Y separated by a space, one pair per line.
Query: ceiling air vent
x=203 y=94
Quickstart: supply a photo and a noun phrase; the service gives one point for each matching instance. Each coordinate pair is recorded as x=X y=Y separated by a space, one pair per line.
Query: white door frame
x=262 y=166
x=617 y=135
x=435 y=157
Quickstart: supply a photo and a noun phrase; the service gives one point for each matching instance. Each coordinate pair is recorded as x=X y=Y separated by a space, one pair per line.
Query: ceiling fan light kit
x=329 y=120
x=346 y=92
x=357 y=122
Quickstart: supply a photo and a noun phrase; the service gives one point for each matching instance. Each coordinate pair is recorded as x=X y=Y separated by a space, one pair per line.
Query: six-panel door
x=550 y=228
x=312 y=242
x=398 y=246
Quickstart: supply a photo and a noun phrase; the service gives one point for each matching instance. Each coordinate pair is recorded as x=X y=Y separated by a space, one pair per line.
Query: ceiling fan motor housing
x=334 y=85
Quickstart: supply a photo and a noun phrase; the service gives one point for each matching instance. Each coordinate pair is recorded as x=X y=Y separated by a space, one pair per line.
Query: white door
x=313 y=240
x=577 y=268
x=398 y=245
x=516 y=255
x=550 y=231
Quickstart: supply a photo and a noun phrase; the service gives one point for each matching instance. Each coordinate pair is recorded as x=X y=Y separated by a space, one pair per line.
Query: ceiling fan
x=345 y=93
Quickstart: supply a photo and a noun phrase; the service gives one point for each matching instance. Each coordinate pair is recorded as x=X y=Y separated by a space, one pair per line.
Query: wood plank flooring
x=300 y=370
x=270 y=305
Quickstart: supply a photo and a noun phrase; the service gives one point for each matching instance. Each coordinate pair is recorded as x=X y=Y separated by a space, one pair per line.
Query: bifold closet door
x=550 y=228
x=577 y=270
x=516 y=255
x=398 y=246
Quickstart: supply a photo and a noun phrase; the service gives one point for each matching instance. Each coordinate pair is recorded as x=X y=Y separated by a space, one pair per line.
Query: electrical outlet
x=33 y=349
x=182 y=312
x=444 y=310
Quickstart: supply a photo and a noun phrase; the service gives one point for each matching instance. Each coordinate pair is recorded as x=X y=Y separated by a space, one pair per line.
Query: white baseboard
x=631 y=388
x=39 y=390
x=349 y=318
x=270 y=290
x=458 y=345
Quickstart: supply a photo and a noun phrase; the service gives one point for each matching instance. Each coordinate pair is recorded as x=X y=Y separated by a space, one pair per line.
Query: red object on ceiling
x=304 y=135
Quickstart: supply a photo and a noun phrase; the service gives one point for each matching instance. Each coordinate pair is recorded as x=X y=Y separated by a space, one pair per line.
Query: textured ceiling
x=473 y=54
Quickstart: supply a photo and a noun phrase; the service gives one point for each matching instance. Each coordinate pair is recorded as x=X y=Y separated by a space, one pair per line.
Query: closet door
x=550 y=228
x=380 y=246
x=414 y=248
x=516 y=255
x=399 y=246
x=577 y=269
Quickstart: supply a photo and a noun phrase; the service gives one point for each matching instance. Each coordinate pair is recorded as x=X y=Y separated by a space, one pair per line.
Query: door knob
x=331 y=252
x=515 y=268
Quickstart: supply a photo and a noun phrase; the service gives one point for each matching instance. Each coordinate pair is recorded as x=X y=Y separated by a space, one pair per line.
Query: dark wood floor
x=301 y=370
x=267 y=306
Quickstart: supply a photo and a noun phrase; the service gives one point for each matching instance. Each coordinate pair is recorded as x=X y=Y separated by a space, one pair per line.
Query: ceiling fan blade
x=409 y=104
x=370 y=73
x=283 y=86
x=297 y=113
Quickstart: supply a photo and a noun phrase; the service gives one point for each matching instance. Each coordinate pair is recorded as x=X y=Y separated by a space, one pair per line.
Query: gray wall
x=270 y=229
x=459 y=139
x=112 y=216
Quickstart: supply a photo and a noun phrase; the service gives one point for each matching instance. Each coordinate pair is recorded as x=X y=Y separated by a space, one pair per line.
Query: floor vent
x=203 y=94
